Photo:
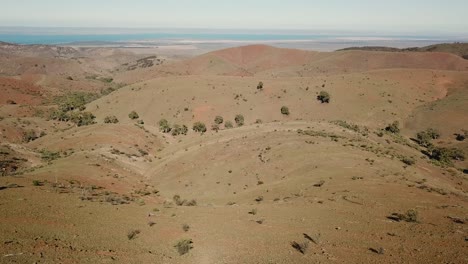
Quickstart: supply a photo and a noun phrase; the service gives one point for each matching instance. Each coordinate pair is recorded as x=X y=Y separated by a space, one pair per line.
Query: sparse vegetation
x=111 y=120
x=424 y=138
x=260 y=86
x=184 y=246
x=47 y=155
x=36 y=183
x=132 y=234
x=218 y=120
x=179 y=202
x=239 y=120
x=133 y=115
x=164 y=126
x=75 y=101
x=228 y=125
x=185 y=227
x=393 y=127
x=285 y=110
x=446 y=156
x=29 y=135
x=408 y=160
x=461 y=136
x=82 y=118
x=324 y=97
x=177 y=130
x=199 y=127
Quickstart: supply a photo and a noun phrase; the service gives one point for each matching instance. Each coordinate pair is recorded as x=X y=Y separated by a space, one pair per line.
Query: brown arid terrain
x=103 y=160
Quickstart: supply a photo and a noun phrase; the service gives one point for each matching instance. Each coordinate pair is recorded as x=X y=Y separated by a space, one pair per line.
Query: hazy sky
x=450 y=16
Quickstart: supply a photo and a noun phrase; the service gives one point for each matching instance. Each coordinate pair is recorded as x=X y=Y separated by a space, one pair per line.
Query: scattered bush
x=133 y=115
x=218 y=120
x=228 y=125
x=215 y=127
x=36 y=183
x=82 y=118
x=446 y=155
x=164 y=126
x=184 y=246
x=75 y=101
x=59 y=115
x=260 y=86
x=179 y=130
x=462 y=137
x=324 y=97
x=239 y=120
x=185 y=227
x=111 y=120
x=285 y=110
x=408 y=160
x=47 y=155
x=424 y=138
x=199 y=127
x=179 y=202
x=29 y=135
x=393 y=127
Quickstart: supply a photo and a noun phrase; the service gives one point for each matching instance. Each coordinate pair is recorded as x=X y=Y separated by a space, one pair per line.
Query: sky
x=423 y=16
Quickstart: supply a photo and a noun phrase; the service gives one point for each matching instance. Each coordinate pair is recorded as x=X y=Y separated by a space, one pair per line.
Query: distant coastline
x=319 y=40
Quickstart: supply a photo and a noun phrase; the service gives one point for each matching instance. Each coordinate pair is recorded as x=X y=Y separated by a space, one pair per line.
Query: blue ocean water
x=23 y=38
x=63 y=39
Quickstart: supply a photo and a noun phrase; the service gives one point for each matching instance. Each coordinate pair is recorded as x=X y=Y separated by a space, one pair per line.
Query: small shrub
x=239 y=120
x=184 y=246
x=82 y=118
x=199 y=127
x=258 y=121
x=285 y=110
x=178 y=130
x=218 y=120
x=260 y=86
x=460 y=137
x=111 y=120
x=133 y=115
x=47 y=155
x=37 y=183
x=132 y=234
x=29 y=136
x=10 y=102
x=164 y=126
x=424 y=138
x=215 y=127
x=393 y=127
x=324 y=97
x=408 y=160
x=301 y=247
x=185 y=227
x=228 y=125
